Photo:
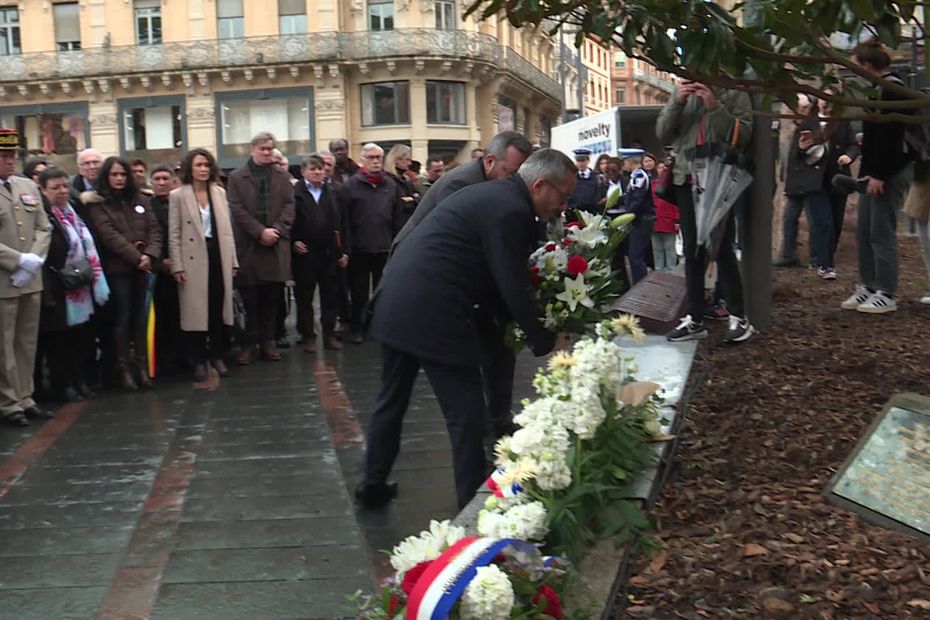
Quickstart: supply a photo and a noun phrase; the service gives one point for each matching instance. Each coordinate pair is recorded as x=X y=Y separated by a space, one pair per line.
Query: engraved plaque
x=886 y=480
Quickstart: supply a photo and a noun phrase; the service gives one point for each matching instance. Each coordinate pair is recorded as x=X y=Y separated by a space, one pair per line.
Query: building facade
x=152 y=78
x=635 y=82
x=595 y=56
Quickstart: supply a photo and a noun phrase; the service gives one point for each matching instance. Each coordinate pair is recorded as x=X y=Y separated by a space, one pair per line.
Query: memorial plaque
x=886 y=480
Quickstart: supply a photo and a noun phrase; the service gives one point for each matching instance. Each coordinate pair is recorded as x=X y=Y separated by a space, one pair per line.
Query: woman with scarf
x=129 y=238
x=203 y=261
x=68 y=298
x=397 y=166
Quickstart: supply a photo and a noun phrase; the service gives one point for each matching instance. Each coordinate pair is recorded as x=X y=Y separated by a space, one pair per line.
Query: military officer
x=24 y=241
x=584 y=196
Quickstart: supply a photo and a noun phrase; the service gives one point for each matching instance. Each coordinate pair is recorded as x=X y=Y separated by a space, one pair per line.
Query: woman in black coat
x=841 y=151
x=64 y=323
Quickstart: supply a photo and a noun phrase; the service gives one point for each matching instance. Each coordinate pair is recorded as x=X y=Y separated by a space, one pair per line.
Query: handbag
x=663 y=184
x=75 y=275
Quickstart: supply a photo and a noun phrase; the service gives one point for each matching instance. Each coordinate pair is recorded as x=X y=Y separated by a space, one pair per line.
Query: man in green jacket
x=699 y=114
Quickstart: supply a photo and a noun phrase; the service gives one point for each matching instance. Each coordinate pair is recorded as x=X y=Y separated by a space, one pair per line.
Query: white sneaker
x=878 y=303
x=859 y=296
x=925 y=299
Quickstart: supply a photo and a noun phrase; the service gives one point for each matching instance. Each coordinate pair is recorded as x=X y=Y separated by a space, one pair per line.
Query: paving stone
x=51 y=603
x=323 y=599
x=64 y=571
x=52 y=542
x=263 y=486
x=305 y=532
x=72 y=515
x=268 y=564
x=256 y=508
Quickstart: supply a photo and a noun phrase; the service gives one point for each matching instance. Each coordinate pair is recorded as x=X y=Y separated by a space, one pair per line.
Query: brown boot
x=142 y=361
x=309 y=344
x=269 y=352
x=220 y=366
x=246 y=355
x=123 y=371
x=331 y=343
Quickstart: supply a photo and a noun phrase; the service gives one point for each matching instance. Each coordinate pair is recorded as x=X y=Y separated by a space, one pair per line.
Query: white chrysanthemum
x=523 y=522
x=628 y=325
x=426 y=547
x=489 y=596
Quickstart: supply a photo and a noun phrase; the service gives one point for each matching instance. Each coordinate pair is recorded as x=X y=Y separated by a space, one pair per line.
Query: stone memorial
x=886 y=479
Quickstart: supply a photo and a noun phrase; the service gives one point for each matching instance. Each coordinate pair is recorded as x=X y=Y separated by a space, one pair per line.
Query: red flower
x=576 y=265
x=553 y=609
x=550 y=247
x=566 y=242
x=535 y=279
x=575 y=224
x=411 y=577
x=393 y=604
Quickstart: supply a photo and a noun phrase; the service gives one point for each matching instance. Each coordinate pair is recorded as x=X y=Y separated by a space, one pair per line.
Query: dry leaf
x=658 y=561
x=637 y=392
x=639 y=581
x=919 y=602
x=661 y=438
x=752 y=550
x=872 y=607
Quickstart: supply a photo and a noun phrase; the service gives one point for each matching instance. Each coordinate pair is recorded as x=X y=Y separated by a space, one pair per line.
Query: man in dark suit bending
x=471 y=251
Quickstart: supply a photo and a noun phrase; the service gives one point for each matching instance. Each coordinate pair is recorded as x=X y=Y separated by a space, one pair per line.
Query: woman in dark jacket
x=841 y=151
x=64 y=323
x=805 y=183
x=396 y=164
x=129 y=239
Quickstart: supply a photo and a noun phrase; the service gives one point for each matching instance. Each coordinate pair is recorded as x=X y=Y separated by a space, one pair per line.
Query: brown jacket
x=259 y=263
x=123 y=233
x=187 y=248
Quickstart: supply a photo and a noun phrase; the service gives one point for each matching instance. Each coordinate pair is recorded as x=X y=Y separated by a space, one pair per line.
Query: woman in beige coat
x=203 y=260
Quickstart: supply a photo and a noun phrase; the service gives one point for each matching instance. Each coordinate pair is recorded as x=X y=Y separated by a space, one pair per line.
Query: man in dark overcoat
x=261 y=200
x=473 y=249
x=317 y=253
x=504 y=154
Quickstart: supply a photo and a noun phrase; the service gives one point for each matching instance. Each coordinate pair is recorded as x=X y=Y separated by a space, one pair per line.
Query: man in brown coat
x=261 y=201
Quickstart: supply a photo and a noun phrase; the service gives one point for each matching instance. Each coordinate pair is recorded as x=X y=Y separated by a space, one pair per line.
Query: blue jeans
x=820 y=212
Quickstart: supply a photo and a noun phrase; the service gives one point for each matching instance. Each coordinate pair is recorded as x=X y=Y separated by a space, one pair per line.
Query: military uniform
x=24 y=229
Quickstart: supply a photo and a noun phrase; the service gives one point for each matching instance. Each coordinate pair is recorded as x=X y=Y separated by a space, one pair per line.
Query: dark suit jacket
x=448 y=184
x=259 y=263
x=472 y=250
x=319 y=227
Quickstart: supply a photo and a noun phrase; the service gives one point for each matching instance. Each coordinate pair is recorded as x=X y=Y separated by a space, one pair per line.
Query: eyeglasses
x=563 y=196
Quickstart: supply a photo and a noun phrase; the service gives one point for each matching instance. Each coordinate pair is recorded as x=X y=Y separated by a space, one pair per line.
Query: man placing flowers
x=473 y=249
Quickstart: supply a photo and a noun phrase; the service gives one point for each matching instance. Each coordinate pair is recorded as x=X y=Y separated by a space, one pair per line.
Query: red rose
x=553 y=609
x=566 y=242
x=576 y=265
x=550 y=247
x=535 y=279
x=411 y=577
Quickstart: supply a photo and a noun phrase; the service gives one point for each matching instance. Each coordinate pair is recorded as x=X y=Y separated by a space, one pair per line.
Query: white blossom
x=489 y=596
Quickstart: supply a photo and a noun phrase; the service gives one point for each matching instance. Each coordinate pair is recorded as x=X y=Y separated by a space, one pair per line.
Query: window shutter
x=292 y=7
x=67 y=22
x=229 y=8
x=148 y=4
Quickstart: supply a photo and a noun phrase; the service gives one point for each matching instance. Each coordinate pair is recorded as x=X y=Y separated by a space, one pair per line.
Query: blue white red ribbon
x=442 y=584
x=497 y=484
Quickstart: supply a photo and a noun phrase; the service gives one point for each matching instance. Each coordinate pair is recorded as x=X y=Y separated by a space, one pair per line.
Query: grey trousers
x=876 y=234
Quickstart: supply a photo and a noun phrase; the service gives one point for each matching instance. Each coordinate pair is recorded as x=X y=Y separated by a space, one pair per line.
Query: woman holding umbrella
x=129 y=240
x=203 y=261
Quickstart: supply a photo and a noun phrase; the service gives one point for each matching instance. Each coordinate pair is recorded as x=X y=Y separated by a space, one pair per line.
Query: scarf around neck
x=79 y=302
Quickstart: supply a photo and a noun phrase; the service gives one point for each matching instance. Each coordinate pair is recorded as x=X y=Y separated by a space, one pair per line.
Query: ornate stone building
x=153 y=78
x=635 y=82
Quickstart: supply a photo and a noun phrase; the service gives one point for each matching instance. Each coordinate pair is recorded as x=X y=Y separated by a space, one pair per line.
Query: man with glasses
x=375 y=213
x=472 y=250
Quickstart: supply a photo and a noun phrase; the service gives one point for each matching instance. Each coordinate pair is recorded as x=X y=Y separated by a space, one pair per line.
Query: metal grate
x=657 y=300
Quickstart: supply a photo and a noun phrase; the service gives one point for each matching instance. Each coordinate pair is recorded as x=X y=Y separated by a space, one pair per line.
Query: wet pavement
x=226 y=500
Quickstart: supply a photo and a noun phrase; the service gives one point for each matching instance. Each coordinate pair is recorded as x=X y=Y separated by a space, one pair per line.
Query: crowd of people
x=90 y=256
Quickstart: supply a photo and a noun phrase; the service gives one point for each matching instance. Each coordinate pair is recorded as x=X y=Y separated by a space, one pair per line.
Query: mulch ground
x=745 y=527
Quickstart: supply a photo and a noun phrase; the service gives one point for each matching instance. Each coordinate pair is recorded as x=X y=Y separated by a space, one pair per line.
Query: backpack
x=916 y=135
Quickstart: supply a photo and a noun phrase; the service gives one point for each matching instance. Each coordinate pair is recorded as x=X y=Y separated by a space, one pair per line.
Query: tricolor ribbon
x=442 y=584
x=499 y=488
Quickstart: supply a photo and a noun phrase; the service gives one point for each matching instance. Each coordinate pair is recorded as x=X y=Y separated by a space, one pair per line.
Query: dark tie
x=6 y=184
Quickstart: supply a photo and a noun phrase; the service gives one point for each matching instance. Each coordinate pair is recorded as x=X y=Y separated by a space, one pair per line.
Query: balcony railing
x=213 y=54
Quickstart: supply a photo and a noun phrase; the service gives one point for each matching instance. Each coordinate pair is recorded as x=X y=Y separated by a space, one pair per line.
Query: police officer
x=24 y=241
x=584 y=196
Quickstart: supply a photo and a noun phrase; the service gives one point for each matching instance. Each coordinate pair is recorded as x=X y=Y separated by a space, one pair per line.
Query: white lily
x=590 y=236
x=576 y=292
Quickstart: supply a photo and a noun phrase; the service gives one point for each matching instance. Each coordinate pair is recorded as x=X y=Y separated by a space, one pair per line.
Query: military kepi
x=625 y=152
x=582 y=154
x=9 y=140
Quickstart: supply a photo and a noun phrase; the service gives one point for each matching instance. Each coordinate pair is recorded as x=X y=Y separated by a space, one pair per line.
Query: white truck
x=610 y=130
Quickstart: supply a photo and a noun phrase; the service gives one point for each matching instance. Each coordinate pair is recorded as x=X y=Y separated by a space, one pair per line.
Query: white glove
x=20 y=278
x=30 y=262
